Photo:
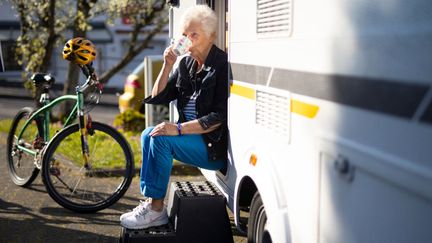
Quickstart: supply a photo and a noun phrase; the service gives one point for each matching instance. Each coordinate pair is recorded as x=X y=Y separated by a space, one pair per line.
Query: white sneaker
x=141 y=205
x=144 y=217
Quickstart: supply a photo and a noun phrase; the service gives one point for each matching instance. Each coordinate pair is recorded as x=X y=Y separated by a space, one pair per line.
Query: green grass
x=105 y=152
x=5 y=125
x=99 y=145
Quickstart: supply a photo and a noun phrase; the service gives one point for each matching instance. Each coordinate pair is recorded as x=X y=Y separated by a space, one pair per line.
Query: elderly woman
x=199 y=138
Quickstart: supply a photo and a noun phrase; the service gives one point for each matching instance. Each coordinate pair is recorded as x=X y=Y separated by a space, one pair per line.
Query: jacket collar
x=210 y=58
x=208 y=62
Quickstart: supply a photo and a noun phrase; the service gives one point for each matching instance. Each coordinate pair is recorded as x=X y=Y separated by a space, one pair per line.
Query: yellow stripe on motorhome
x=304 y=109
x=243 y=91
x=298 y=107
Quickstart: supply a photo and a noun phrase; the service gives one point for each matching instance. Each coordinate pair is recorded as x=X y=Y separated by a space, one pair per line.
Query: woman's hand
x=169 y=56
x=165 y=129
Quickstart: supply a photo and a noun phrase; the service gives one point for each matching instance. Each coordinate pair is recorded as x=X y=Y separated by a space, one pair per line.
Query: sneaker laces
x=143 y=208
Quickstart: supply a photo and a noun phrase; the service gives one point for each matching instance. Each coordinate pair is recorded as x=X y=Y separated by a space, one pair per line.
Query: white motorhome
x=330 y=118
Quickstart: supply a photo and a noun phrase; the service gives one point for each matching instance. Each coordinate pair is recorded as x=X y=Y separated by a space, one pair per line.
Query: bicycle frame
x=48 y=105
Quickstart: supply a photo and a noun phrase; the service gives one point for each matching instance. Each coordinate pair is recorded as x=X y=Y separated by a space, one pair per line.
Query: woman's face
x=201 y=43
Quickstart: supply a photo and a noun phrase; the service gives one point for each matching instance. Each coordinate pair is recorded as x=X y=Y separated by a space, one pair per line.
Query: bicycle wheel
x=88 y=187
x=22 y=168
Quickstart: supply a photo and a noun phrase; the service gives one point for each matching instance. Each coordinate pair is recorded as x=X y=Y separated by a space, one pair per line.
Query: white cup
x=181 y=46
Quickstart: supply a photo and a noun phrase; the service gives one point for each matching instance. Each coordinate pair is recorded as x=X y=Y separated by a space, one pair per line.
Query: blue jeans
x=157 y=158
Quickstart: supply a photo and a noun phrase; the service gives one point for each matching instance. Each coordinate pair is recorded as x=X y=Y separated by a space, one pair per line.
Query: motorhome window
x=274 y=18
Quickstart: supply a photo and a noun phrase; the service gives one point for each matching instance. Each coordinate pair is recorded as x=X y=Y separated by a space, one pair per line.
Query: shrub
x=130 y=120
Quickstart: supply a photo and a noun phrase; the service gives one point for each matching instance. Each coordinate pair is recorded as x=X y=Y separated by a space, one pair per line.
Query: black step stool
x=159 y=234
x=197 y=214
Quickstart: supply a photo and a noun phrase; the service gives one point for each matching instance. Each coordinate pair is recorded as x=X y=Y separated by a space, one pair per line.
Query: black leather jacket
x=211 y=103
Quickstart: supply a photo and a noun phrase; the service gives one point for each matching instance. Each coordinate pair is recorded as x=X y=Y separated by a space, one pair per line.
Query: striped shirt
x=190 y=110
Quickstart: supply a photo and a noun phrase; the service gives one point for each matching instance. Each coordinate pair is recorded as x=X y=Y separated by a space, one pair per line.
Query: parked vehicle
x=133 y=90
x=139 y=85
x=330 y=119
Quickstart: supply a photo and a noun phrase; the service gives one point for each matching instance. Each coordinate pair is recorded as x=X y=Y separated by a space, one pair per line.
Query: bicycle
x=75 y=173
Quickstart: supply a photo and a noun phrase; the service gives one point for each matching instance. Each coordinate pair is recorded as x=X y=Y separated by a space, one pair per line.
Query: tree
x=143 y=15
x=147 y=18
x=41 y=26
x=43 y=23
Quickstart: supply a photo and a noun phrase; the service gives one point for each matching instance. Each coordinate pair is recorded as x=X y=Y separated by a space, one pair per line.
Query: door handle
x=344 y=168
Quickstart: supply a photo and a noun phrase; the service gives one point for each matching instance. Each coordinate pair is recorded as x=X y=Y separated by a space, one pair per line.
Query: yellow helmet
x=79 y=50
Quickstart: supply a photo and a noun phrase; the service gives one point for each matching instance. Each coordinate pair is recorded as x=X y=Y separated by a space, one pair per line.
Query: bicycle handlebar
x=92 y=78
x=88 y=70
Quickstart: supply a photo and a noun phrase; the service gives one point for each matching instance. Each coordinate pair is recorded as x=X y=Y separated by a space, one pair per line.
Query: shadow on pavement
x=33 y=228
x=92 y=218
x=12 y=207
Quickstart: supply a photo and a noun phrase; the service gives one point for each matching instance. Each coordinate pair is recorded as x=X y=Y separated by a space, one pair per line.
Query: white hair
x=200 y=14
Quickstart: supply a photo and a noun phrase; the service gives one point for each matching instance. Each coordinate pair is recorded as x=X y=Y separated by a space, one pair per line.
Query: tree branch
x=134 y=35
x=132 y=53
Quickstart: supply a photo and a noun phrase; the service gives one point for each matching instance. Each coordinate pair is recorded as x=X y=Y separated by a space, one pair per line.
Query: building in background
x=111 y=41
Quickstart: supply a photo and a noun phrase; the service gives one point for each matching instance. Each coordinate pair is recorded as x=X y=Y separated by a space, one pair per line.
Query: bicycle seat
x=43 y=79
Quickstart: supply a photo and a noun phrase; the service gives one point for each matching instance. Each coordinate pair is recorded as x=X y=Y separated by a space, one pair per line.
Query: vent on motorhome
x=273 y=113
x=274 y=18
